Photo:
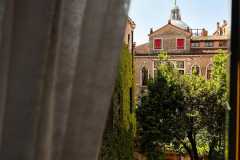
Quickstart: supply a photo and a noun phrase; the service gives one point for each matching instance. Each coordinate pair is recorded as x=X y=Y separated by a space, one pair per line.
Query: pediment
x=170 y=30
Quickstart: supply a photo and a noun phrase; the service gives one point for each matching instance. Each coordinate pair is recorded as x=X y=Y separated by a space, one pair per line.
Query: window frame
x=234 y=113
x=199 y=44
x=208 y=42
x=157 y=49
x=181 y=69
x=222 y=44
x=141 y=75
x=185 y=43
x=206 y=74
x=200 y=71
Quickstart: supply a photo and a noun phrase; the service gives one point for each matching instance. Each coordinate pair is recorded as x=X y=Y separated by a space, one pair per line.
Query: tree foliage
x=118 y=140
x=185 y=112
x=215 y=115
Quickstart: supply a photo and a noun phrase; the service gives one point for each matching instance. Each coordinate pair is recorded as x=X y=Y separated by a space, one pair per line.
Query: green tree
x=168 y=114
x=216 y=100
x=185 y=112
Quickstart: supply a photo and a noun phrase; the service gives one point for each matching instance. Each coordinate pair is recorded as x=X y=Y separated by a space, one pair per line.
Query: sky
x=196 y=13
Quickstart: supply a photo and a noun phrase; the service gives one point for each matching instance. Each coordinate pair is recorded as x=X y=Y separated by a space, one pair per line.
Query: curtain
x=58 y=61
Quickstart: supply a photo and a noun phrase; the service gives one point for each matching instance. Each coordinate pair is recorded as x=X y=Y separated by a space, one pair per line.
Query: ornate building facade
x=189 y=49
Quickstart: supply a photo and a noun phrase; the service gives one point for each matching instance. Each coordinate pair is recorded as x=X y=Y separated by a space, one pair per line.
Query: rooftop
x=210 y=38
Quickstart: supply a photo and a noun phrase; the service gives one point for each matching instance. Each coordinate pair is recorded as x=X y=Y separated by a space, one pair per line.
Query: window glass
x=208 y=44
x=129 y=39
x=180 y=64
x=209 y=71
x=144 y=76
x=222 y=44
x=156 y=64
x=195 y=44
x=196 y=70
x=181 y=72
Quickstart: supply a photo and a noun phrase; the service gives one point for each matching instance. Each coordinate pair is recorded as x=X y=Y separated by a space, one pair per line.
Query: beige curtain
x=58 y=61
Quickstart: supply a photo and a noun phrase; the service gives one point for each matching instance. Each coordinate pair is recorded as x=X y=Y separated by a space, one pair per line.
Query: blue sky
x=196 y=13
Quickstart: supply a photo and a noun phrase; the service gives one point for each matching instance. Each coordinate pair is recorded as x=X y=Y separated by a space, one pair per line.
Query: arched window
x=144 y=76
x=209 y=71
x=180 y=66
x=196 y=69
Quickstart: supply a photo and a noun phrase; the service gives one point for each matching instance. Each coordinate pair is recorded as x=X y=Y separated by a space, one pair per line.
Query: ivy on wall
x=118 y=137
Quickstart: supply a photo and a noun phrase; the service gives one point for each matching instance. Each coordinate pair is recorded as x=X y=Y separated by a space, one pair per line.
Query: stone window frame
x=181 y=69
x=141 y=80
x=206 y=72
x=185 y=43
x=200 y=70
x=153 y=45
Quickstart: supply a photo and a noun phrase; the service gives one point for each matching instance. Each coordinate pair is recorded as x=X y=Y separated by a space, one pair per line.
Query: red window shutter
x=157 y=44
x=180 y=43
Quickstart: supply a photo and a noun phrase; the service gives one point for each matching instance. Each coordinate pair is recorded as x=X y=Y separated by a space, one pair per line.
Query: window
x=196 y=69
x=222 y=44
x=180 y=66
x=131 y=100
x=158 y=44
x=129 y=39
x=155 y=73
x=156 y=64
x=195 y=44
x=155 y=67
x=181 y=72
x=180 y=43
x=171 y=64
x=144 y=76
x=208 y=44
x=209 y=71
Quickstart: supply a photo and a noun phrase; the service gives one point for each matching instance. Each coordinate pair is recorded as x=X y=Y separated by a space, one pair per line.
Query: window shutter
x=157 y=44
x=180 y=43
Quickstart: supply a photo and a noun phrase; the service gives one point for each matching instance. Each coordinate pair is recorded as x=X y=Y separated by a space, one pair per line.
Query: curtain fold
x=58 y=62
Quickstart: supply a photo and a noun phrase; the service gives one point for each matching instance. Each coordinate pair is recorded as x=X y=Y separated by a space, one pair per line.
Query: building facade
x=129 y=34
x=189 y=49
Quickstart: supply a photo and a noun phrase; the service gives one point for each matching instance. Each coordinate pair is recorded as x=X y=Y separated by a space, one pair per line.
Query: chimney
x=204 y=32
x=218 y=25
x=151 y=30
x=169 y=21
x=224 y=22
